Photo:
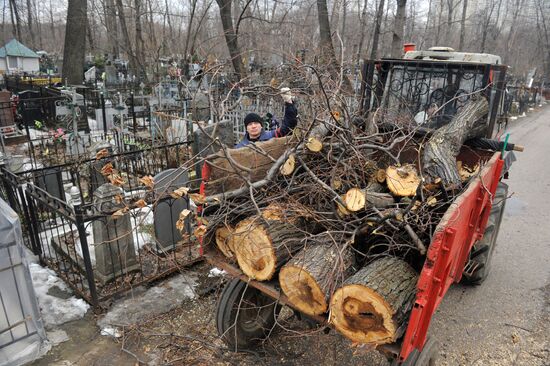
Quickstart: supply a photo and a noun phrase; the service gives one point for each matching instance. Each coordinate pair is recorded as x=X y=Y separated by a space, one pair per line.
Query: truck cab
x=429 y=87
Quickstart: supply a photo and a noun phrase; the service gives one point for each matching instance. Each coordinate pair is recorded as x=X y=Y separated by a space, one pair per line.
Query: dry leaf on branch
x=180 y=224
x=147 y=181
x=101 y=154
x=141 y=203
x=180 y=192
x=116 y=180
x=107 y=169
x=200 y=231
x=119 y=213
x=119 y=199
x=198 y=198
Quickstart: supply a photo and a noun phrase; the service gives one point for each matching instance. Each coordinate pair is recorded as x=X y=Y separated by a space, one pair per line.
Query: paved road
x=506 y=320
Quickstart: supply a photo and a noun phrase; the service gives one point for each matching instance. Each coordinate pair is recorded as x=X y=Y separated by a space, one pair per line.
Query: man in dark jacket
x=254 y=126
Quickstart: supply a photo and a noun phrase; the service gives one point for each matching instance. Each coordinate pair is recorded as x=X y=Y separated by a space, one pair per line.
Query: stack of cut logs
x=340 y=218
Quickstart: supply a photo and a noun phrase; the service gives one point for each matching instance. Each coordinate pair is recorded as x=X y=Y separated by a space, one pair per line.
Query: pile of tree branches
x=341 y=212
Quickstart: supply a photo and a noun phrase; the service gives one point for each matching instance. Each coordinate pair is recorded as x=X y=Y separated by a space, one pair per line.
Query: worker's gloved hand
x=286 y=94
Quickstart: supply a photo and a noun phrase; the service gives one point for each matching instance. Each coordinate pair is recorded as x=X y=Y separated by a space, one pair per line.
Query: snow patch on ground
x=216 y=272
x=55 y=310
x=149 y=303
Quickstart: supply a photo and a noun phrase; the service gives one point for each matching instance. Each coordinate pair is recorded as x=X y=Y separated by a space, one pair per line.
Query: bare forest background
x=271 y=32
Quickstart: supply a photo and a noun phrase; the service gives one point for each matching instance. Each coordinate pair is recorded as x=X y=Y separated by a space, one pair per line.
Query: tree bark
x=75 y=42
x=223 y=240
x=360 y=199
x=398 y=29
x=363 y=26
x=126 y=37
x=463 y=25
x=140 y=45
x=310 y=278
x=262 y=246
x=373 y=303
x=15 y=20
x=111 y=27
x=30 y=22
x=231 y=38
x=439 y=156
x=228 y=173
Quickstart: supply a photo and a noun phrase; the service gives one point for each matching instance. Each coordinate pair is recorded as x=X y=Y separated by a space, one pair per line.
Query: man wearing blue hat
x=254 y=126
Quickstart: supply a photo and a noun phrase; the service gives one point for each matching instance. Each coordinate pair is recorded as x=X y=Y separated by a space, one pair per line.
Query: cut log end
x=373 y=303
x=402 y=181
x=302 y=290
x=380 y=175
x=288 y=167
x=314 y=144
x=254 y=250
x=355 y=199
x=223 y=240
x=362 y=316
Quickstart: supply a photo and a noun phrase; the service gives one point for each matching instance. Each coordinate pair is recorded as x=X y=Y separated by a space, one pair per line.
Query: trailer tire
x=427 y=357
x=244 y=315
x=482 y=251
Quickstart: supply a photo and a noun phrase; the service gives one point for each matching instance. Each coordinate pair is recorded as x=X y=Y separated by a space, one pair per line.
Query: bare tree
x=398 y=28
x=75 y=42
x=15 y=20
x=30 y=23
x=231 y=37
x=463 y=25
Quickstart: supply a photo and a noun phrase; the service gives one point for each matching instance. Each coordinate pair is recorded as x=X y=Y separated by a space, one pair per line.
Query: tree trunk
x=75 y=42
x=231 y=38
x=228 y=173
x=262 y=246
x=363 y=30
x=126 y=37
x=30 y=21
x=170 y=28
x=374 y=303
x=140 y=46
x=439 y=156
x=463 y=25
x=450 y=8
x=186 y=58
x=15 y=20
x=111 y=27
x=327 y=56
x=310 y=278
x=52 y=24
x=397 y=38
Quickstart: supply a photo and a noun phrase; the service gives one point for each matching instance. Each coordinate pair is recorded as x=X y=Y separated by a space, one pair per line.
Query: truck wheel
x=427 y=357
x=244 y=315
x=482 y=252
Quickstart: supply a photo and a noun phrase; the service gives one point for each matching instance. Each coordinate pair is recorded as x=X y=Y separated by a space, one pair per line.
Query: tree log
x=373 y=303
x=402 y=181
x=227 y=174
x=261 y=246
x=358 y=199
x=439 y=157
x=311 y=276
x=223 y=240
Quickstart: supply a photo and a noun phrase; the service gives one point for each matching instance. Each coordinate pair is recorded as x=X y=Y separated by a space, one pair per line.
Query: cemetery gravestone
x=51 y=180
x=114 y=241
x=167 y=210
